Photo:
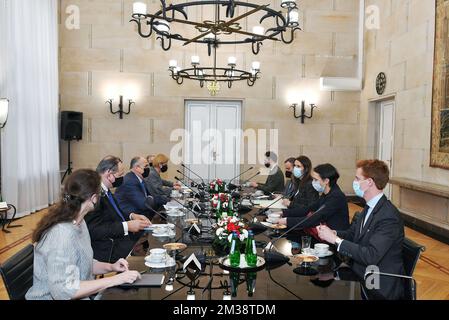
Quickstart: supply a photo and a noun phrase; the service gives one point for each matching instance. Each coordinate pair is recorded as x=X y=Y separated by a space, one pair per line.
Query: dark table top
x=280 y=283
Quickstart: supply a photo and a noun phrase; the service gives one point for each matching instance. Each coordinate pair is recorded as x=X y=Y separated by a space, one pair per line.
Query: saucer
x=176 y=214
x=166 y=234
x=324 y=255
x=161 y=265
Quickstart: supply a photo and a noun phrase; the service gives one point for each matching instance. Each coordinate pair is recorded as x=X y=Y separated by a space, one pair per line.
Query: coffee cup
x=157 y=255
x=321 y=248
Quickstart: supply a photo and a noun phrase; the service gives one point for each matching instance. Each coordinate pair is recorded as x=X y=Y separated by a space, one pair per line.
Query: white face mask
x=318 y=187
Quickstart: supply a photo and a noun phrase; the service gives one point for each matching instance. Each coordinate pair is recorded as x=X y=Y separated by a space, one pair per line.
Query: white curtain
x=29 y=79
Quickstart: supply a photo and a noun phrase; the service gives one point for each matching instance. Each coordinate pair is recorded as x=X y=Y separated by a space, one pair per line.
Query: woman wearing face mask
x=305 y=194
x=154 y=183
x=335 y=213
x=64 y=267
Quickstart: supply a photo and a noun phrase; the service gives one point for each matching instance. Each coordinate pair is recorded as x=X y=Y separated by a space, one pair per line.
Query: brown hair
x=376 y=170
x=80 y=186
x=307 y=164
x=160 y=158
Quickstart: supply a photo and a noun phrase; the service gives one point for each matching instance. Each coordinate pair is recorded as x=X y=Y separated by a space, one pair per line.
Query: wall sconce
x=303 y=115
x=120 y=110
x=4 y=106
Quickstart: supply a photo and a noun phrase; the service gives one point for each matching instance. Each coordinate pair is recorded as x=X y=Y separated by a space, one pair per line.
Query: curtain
x=29 y=79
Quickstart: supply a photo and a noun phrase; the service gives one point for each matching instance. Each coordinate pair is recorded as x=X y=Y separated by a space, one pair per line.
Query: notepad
x=147 y=281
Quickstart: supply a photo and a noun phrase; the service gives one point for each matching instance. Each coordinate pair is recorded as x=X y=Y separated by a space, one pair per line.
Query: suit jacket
x=305 y=196
x=131 y=196
x=107 y=235
x=335 y=214
x=274 y=183
x=379 y=244
x=290 y=189
x=157 y=186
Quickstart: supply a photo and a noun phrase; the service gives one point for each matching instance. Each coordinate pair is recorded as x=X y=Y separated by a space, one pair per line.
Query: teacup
x=157 y=255
x=321 y=248
x=160 y=230
x=274 y=217
x=259 y=193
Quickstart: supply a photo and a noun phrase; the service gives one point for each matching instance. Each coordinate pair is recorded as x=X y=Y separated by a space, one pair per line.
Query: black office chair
x=411 y=251
x=17 y=273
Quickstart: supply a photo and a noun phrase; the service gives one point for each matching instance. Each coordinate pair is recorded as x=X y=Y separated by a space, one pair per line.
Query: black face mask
x=267 y=165
x=151 y=164
x=164 y=168
x=146 y=172
x=118 y=182
x=288 y=174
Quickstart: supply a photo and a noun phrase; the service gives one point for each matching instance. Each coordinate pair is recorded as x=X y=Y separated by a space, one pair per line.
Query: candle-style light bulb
x=139 y=8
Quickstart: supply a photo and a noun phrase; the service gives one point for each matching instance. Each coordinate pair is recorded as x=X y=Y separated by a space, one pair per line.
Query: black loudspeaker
x=71 y=125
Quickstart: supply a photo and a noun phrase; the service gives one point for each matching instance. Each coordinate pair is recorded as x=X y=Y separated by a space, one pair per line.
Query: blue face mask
x=297 y=172
x=318 y=187
x=358 y=192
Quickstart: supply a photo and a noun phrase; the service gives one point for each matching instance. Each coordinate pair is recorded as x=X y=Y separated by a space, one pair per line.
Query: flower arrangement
x=223 y=233
x=222 y=203
x=217 y=186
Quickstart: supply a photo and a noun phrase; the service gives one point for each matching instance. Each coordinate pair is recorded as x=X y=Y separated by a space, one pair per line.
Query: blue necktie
x=142 y=184
x=111 y=200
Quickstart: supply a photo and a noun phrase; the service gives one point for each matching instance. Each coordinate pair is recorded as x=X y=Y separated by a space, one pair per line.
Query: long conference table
x=273 y=282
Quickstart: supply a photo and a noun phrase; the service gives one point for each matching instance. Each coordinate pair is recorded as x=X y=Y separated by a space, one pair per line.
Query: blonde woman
x=154 y=183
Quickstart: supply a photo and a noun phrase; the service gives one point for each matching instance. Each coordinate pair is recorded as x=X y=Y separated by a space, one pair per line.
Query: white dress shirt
x=125 y=224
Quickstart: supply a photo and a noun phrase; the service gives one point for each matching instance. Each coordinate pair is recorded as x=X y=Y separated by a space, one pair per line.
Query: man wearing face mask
x=376 y=238
x=289 y=190
x=112 y=231
x=157 y=186
x=275 y=180
x=132 y=195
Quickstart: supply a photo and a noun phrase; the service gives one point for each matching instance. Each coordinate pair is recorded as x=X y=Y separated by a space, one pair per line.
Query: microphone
x=184 y=206
x=188 y=169
x=240 y=175
x=194 y=184
x=191 y=188
x=276 y=257
x=250 y=178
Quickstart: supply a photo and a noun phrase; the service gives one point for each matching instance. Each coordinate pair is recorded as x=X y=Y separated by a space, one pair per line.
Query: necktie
x=112 y=201
x=364 y=216
x=142 y=184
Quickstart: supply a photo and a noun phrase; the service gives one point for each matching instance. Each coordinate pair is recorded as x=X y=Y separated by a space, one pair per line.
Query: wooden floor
x=432 y=273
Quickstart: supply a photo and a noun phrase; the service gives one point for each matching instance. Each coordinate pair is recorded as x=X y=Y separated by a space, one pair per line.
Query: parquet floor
x=431 y=274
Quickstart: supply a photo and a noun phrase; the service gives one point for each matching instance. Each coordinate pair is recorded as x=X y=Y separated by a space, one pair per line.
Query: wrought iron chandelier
x=215 y=33
x=213 y=76
x=282 y=26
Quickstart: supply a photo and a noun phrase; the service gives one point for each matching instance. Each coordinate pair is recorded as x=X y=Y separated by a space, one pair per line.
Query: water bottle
x=234 y=254
x=250 y=250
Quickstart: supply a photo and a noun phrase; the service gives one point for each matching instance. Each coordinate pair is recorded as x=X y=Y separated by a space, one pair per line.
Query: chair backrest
x=411 y=252
x=410 y=255
x=17 y=273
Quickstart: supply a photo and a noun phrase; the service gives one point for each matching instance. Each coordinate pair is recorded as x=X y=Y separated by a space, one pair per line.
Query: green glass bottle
x=235 y=279
x=251 y=283
x=234 y=254
x=250 y=250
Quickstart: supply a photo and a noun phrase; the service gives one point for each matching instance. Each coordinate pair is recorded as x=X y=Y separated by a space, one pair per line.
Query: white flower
x=224 y=215
x=230 y=237
x=242 y=237
x=245 y=233
x=219 y=231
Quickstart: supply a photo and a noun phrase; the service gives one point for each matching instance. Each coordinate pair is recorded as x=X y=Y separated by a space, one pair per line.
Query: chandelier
x=214 y=33
x=213 y=76
x=225 y=29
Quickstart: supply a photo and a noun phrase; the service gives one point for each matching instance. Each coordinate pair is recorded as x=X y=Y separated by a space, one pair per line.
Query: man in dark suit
x=290 y=188
x=375 y=240
x=132 y=195
x=112 y=231
x=275 y=180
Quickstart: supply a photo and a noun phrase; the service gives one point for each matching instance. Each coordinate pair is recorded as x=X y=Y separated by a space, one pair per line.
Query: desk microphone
x=258 y=173
x=229 y=183
x=188 y=169
x=276 y=257
x=177 y=179
x=194 y=184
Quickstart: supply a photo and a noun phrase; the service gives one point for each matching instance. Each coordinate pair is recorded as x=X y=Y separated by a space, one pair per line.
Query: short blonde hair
x=160 y=158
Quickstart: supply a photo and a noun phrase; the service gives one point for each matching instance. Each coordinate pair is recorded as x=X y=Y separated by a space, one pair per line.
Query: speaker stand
x=69 y=170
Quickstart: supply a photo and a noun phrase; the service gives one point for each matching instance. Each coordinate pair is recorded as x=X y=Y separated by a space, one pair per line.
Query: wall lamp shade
x=4 y=106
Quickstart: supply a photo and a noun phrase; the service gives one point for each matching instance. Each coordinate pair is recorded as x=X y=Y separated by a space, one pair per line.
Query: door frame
x=187 y=127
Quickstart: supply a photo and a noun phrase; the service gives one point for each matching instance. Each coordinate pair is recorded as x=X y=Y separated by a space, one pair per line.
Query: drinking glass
x=306 y=242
